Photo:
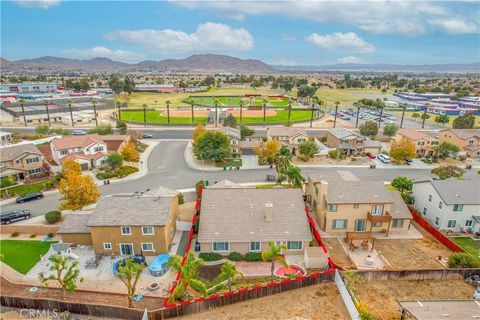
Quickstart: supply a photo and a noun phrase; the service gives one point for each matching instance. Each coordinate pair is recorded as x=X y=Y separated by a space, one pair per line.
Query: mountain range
x=215 y=63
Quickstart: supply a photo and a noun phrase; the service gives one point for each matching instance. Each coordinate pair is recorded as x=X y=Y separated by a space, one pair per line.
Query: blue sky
x=281 y=32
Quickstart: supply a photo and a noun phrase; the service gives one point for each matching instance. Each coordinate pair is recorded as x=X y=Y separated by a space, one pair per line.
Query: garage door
x=247 y=152
x=84 y=166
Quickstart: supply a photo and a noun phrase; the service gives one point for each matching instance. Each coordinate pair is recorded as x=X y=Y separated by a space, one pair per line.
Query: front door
x=126 y=249
x=360 y=225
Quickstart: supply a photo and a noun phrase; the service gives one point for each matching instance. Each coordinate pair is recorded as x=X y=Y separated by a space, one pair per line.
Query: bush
x=181 y=198
x=354 y=159
x=235 y=256
x=7 y=182
x=33 y=235
x=58 y=178
x=210 y=256
x=48 y=184
x=15 y=234
x=50 y=234
x=463 y=260
x=53 y=216
x=106 y=175
x=125 y=171
x=253 y=256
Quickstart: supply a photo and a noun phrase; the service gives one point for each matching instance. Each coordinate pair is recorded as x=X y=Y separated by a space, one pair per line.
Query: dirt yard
x=380 y=297
x=323 y=160
x=337 y=253
x=413 y=254
x=315 y=302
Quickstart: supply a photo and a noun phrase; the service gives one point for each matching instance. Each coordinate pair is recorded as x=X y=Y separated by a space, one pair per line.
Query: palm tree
x=292 y=174
x=381 y=106
x=119 y=110
x=273 y=254
x=424 y=116
x=216 y=104
x=188 y=276
x=168 y=111
x=404 y=106
x=319 y=103
x=46 y=102
x=358 y=105
x=193 y=114
x=241 y=109
x=144 y=114
x=22 y=102
x=283 y=159
x=229 y=271
x=69 y=102
x=264 y=110
x=289 y=111
x=336 y=112
x=94 y=104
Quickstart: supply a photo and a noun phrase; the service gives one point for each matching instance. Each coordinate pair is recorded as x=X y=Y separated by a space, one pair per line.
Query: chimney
x=268 y=211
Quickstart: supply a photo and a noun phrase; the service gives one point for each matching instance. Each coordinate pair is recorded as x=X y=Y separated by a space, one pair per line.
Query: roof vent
x=268 y=211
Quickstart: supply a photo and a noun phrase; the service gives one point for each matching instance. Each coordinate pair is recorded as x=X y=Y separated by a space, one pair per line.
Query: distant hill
x=202 y=62
x=423 y=68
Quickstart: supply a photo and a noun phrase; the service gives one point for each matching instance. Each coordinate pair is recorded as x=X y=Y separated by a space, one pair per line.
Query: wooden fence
x=421 y=274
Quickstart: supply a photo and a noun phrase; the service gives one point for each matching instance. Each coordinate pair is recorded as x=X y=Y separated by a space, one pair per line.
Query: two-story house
x=342 y=203
x=425 y=142
x=449 y=204
x=21 y=161
x=126 y=224
x=467 y=140
x=88 y=150
x=288 y=136
x=234 y=136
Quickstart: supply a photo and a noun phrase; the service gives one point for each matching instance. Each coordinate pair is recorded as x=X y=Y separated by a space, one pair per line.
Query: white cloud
x=43 y=4
x=208 y=37
x=341 y=41
x=287 y=37
x=349 y=59
x=103 y=52
x=455 y=26
x=380 y=16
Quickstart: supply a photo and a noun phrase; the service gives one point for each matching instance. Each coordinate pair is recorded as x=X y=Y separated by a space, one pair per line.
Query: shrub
x=15 y=234
x=253 y=256
x=210 y=256
x=7 y=182
x=50 y=234
x=354 y=159
x=181 y=198
x=48 y=184
x=33 y=235
x=53 y=216
x=125 y=171
x=235 y=256
x=462 y=260
x=58 y=178
x=106 y=175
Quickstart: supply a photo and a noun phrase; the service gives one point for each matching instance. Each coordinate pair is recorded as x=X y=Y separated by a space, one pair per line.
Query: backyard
x=468 y=244
x=338 y=254
x=380 y=297
x=22 y=255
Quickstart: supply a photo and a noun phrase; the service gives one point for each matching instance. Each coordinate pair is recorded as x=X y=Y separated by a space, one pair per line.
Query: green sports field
x=234 y=101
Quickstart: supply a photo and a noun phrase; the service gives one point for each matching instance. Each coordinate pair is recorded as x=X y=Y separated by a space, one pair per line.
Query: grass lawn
x=24 y=189
x=234 y=101
x=22 y=255
x=154 y=117
x=468 y=244
x=281 y=116
x=408 y=115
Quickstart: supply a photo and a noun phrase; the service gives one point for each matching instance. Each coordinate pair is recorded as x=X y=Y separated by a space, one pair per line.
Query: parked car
x=78 y=133
x=371 y=155
x=409 y=161
x=147 y=135
x=383 y=158
x=29 y=197
x=347 y=118
x=7 y=217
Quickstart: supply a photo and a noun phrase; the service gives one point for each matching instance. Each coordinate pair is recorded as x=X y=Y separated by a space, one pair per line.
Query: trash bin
x=206 y=183
x=224 y=168
x=468 y=166
x=373 y=166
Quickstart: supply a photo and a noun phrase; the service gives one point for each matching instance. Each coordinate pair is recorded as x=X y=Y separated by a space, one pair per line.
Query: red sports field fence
x=452 y=246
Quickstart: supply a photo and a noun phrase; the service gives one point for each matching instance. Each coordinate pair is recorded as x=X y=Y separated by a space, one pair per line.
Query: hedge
x=125 y=171
x=253 y=256
x=235 y=256
x=210 y=256
x=53 y=216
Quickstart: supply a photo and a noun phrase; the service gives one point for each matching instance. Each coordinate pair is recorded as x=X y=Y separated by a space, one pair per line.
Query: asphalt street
x=167 y=167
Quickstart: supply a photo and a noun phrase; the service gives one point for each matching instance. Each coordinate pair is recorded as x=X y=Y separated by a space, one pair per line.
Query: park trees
x=308 y=149
x=64 y=272
x=129 y=272
x=442 y=119
x=467 y=121
x=212 y=145
x=390 y=129
x=445 y=172
x=369 y=128
x=425 y=116
x=266 y=152
x=402 y=150
x=447 y=149
x=116 y=84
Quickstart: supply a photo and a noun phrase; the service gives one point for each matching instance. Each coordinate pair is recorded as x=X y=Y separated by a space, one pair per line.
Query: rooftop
x=75 y=223
x=399 y=209
x=466 y=133
x=454 y=191
x=286 y=131
x=239 y=215
x=13 y=152
x=441 y=309
x=342 y=133
x=343 y=175
x=340 y=192
x=231 y=132
x=70 y=142
x=414 y=134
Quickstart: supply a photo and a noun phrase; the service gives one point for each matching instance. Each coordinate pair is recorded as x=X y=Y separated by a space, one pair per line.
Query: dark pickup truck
x=7 y=217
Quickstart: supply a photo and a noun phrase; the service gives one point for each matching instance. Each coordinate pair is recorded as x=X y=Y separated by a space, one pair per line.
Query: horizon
x=278 y=33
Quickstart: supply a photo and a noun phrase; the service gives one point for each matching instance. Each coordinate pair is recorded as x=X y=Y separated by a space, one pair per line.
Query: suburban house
x=253 y=219
x=89 y=150
x=288 y=136
x=21 y=161
x=467 y=140
x=350 y=143
x=126 y=224
x=342 y=203
x=425 y=141
x=235 y=137
x=5 y=138
x=449 y=204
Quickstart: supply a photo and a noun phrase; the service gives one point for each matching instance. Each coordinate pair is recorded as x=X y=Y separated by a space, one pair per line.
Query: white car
x=383 y=158
x=78 y=133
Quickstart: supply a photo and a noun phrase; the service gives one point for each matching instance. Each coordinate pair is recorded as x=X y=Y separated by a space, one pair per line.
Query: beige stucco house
x=126 y=224
x=288 y=136
x=342 y=203
x=467 y=140
x=21 y=161
x=425 y=142
x=236 y=219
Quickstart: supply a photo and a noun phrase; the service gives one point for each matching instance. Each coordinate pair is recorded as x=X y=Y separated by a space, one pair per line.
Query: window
x=34 y=171
x=147 y=231
x=96 y=149
x=147 y=246
x=434 y=143
x=424 y=211
x=107 y=246
x=255 y=246
x=440 y=205
x=437 y=220
x=339 y=224
x=294 y=245
x=457 y=207
x=220 y=246
x=397 y=223
x=32 y=160
x=126 y=231
x=356 y=205
x=332 y=208
x=468 y=223
x=63 y=152
x=377 y=210
x=429 y=198
x=451 y=224
x=471 y=141
x=234 y=141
